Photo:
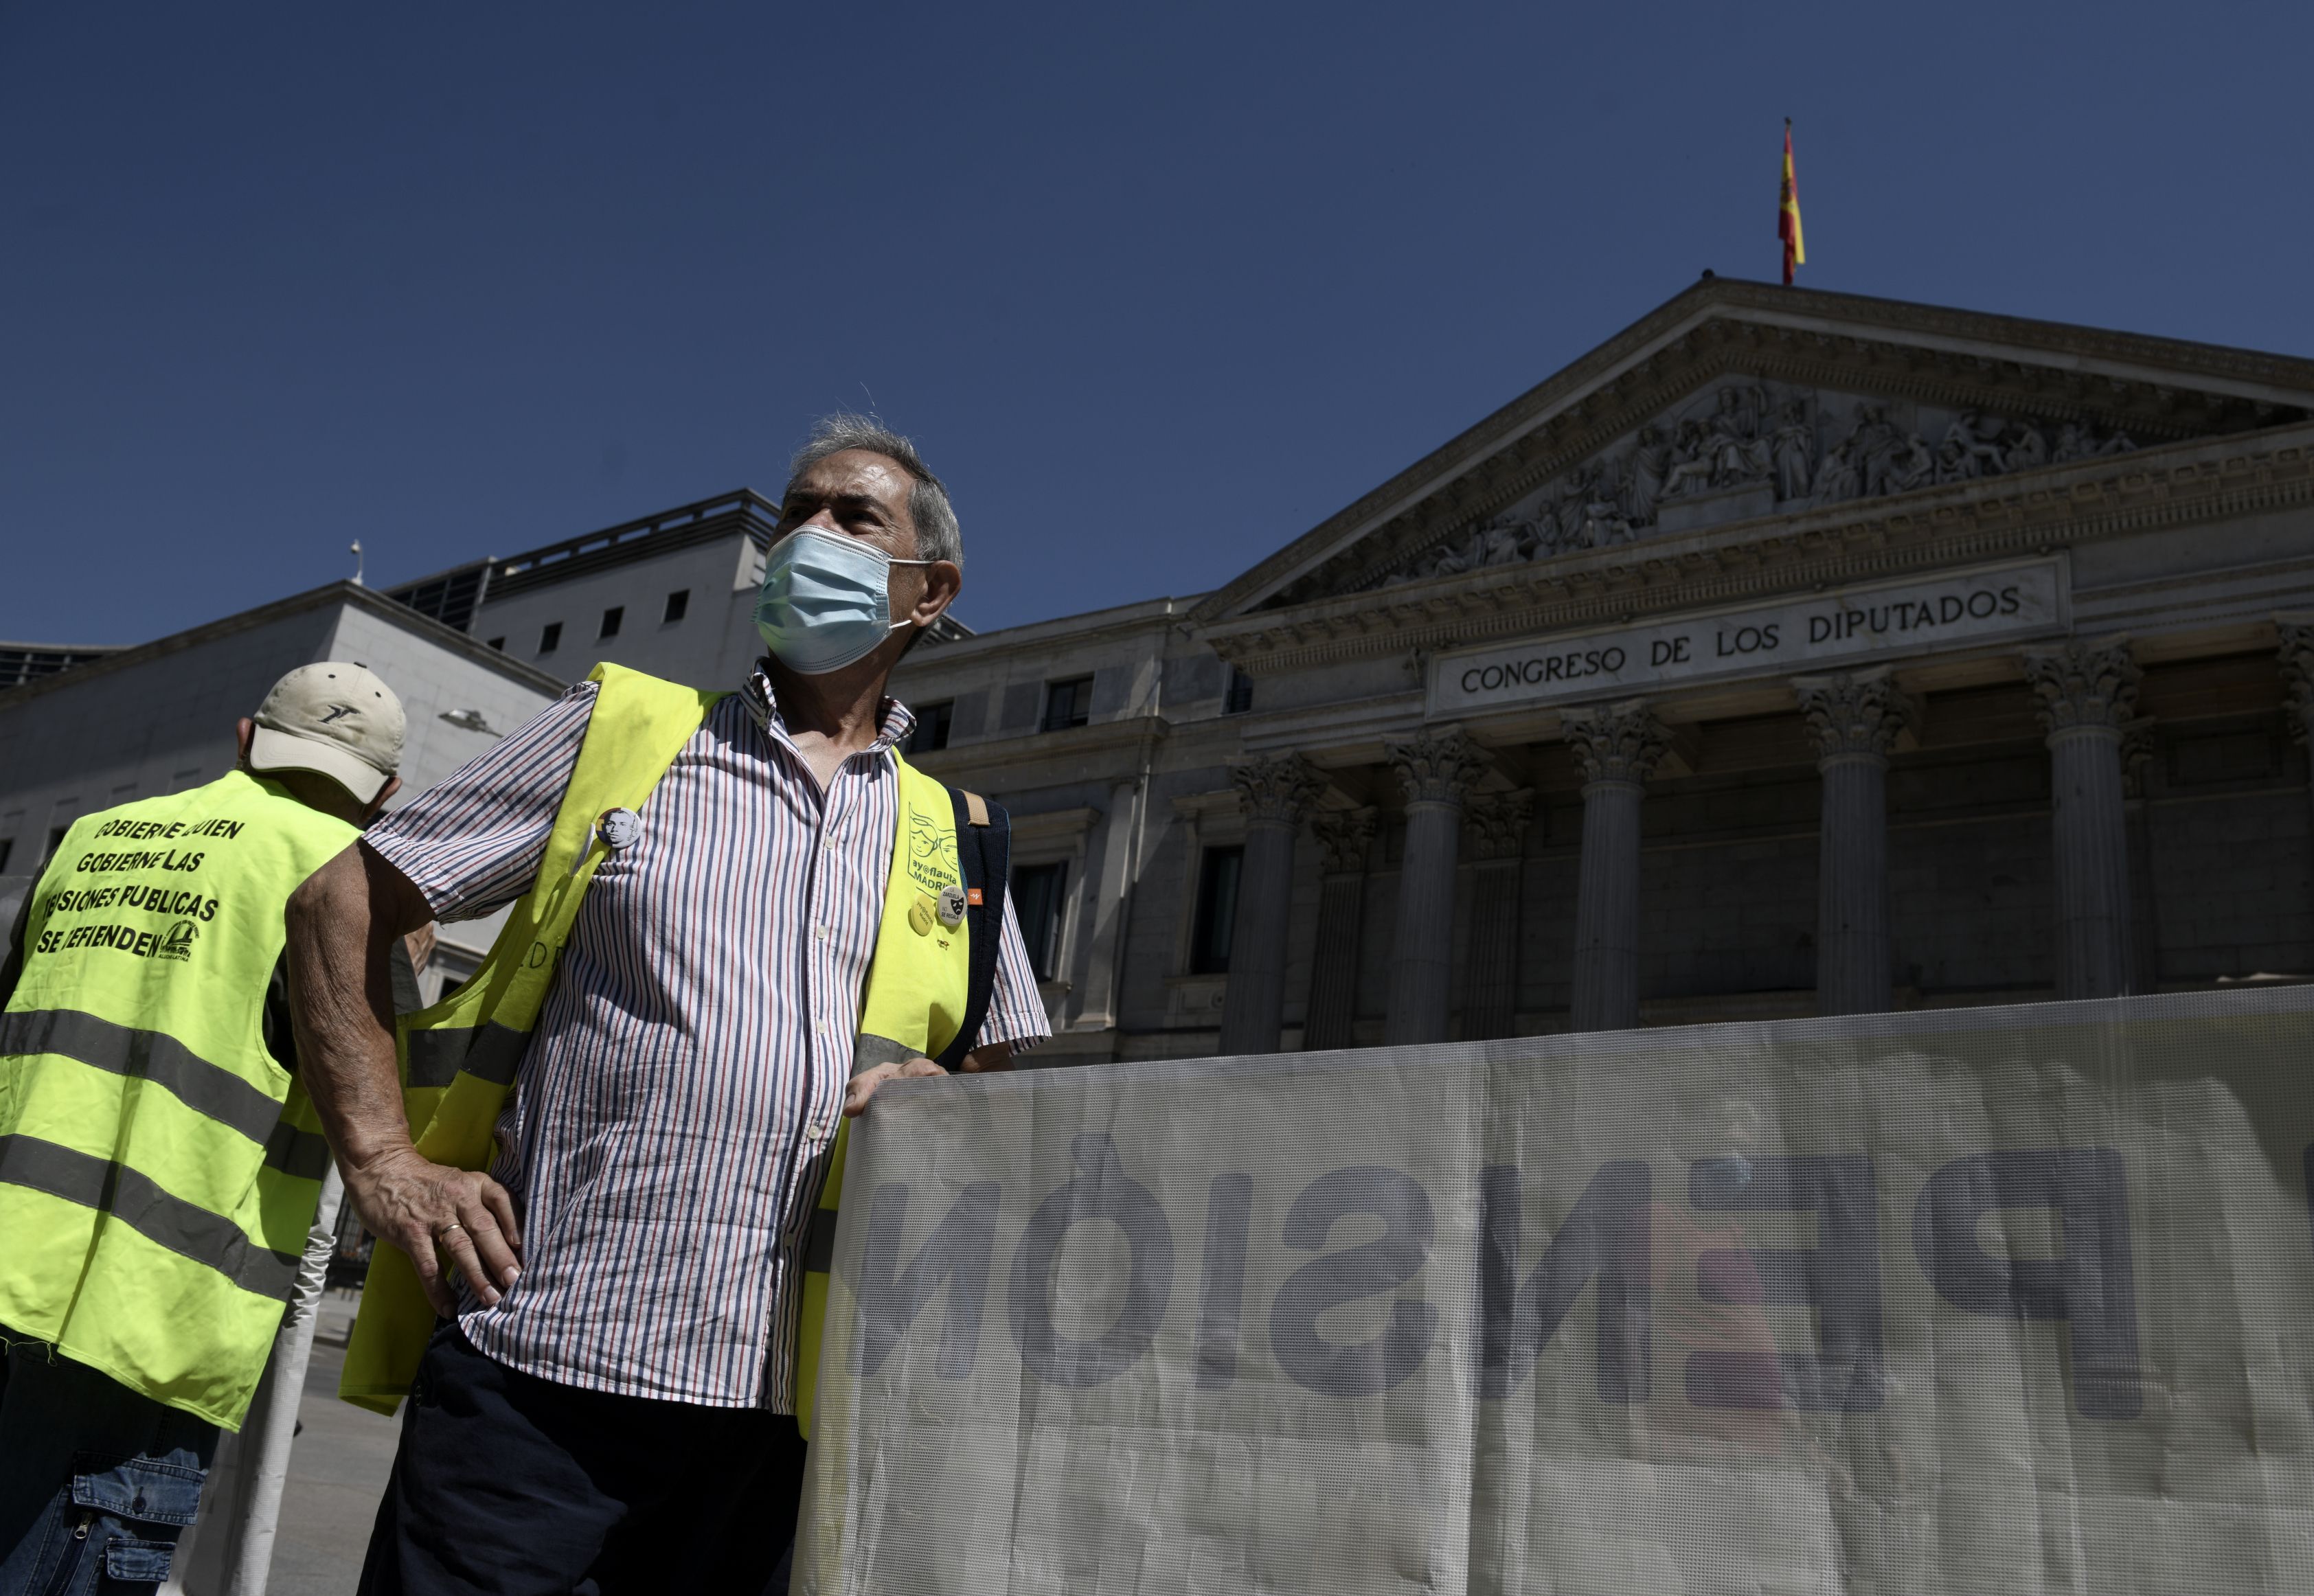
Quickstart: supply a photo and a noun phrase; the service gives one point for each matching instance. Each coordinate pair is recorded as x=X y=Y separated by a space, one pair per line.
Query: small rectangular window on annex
x=551 y=639
x=1037 y=903
x=1209 y=937
x=612 y=618
x=678 y=606
x=930 y=734
x=1239 y=697
x=7 y=847
x=1067 y=703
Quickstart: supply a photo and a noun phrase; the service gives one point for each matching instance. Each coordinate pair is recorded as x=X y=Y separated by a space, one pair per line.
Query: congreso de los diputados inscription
x=1790 y=653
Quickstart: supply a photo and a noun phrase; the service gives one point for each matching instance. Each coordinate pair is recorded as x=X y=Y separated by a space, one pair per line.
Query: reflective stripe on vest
x=158 y=1168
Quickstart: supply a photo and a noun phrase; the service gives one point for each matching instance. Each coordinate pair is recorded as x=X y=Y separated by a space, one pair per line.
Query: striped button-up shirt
x=669 y=1130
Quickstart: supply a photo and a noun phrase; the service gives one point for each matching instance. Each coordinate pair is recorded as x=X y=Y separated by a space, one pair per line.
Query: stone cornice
x=962 y=761
x=2185 y=483
x=1801 y=335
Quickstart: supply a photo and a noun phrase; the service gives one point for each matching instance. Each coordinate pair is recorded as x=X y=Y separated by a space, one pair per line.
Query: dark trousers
x=511 y=1485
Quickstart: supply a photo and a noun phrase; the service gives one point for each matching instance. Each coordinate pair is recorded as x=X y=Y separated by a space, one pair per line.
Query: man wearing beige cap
x=159 y=1162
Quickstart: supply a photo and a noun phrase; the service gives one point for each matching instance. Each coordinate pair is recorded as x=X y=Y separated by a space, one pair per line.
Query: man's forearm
x=342 y=923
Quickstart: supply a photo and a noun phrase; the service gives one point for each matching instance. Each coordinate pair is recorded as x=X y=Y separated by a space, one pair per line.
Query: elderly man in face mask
x=773 y=921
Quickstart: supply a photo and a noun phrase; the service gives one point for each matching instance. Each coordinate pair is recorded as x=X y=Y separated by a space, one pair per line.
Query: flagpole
x=1787 y=211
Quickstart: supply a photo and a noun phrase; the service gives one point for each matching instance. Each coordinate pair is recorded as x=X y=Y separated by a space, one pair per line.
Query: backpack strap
x=984 y=847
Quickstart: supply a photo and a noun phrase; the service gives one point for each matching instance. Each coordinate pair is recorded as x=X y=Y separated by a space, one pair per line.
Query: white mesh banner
x=2004 y=1300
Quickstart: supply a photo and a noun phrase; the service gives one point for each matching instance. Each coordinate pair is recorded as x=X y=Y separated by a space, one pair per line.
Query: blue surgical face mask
x=827 y=600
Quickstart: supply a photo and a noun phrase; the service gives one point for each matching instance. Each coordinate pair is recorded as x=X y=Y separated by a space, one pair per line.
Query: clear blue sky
x=1156 y=289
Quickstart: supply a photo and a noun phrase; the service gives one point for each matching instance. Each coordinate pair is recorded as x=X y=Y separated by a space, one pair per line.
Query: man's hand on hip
x=432 y=1211
x=862 y=1086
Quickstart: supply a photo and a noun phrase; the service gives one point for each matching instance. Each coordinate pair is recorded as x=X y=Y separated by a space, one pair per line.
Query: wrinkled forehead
x=856 y=474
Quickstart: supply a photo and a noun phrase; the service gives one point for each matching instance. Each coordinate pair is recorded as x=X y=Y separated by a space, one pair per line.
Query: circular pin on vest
x=951 y=906
x=619 y=829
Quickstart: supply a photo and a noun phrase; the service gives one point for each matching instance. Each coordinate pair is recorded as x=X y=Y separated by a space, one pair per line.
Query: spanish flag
x=1788 y=211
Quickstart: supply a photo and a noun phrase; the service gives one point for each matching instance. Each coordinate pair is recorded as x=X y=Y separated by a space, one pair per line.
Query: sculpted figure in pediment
x=1456 y=558
x=1842 y=476
x=1643 y=478
x=1792 y=450
x=2023 y=447
x=1742 y=410
x=1915 y=467
x=1736 y=459
x=1505 y=542
x=1877 y=447
x=1968 y=450
x=2076 y=441
x=1603 y=526
x=1691 y=461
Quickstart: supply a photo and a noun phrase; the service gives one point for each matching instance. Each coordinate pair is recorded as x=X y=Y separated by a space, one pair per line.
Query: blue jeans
x=96 y=1480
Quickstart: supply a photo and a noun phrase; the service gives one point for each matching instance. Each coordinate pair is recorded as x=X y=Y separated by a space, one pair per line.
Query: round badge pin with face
x=619 y=829
x=951 y=906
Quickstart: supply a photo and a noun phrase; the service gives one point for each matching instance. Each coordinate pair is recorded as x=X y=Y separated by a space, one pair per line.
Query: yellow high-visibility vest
x=158 y=1166
x=917 y=1006
x=458 y=1059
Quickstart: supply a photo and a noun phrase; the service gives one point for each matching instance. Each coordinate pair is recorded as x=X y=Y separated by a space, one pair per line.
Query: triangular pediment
x=1738 y=401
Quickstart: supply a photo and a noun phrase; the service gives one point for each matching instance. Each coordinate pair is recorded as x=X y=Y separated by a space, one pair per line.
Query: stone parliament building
x=1791 y=653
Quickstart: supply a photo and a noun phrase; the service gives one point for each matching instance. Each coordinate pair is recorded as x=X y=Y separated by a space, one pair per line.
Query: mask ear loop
x=897 y=625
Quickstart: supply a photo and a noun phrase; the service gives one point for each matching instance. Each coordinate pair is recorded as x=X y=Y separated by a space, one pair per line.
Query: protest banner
x=2005 y=1300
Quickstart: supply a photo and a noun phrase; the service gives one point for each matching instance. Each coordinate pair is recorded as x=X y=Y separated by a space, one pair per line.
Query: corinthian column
x=1275 y=794
x=2297 y=661
x=1854 y=718
x=1344 y=835
x=2087 y=693
x=1618 y=745
x=1497 y=825
x=1437 y=770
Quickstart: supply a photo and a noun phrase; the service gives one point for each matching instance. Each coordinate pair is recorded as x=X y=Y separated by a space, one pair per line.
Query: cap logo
x=336 y=712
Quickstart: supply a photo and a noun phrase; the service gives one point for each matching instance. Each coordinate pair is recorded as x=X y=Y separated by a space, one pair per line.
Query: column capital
x=1345 y=835
x=1498 y=823
x=1280 y=790
x=1618 y=742
x=2085 y=686
x=1854 y=714
x=1438 y=767
x=2296 y=659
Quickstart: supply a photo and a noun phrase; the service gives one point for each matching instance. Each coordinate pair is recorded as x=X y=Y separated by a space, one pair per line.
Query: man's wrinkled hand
x=864 y=1085
x=432 y=1212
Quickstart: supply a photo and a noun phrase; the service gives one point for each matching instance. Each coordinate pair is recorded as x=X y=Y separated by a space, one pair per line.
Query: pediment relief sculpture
x=1746 y=449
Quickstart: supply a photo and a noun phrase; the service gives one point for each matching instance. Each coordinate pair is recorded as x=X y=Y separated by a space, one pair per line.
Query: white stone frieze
x=1744 y=449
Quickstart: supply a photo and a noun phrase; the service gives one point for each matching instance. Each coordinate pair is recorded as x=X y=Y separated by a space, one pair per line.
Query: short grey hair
x=937 y=534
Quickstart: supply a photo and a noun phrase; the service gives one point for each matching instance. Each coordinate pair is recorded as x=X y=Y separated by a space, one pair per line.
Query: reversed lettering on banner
x=1777 y=1307
x=1966 y=609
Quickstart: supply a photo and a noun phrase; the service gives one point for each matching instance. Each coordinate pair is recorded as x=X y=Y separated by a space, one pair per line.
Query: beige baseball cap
x=334 y=718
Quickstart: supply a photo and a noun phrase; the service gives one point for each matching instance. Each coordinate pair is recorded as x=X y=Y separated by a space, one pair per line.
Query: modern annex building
x=1790 y=653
